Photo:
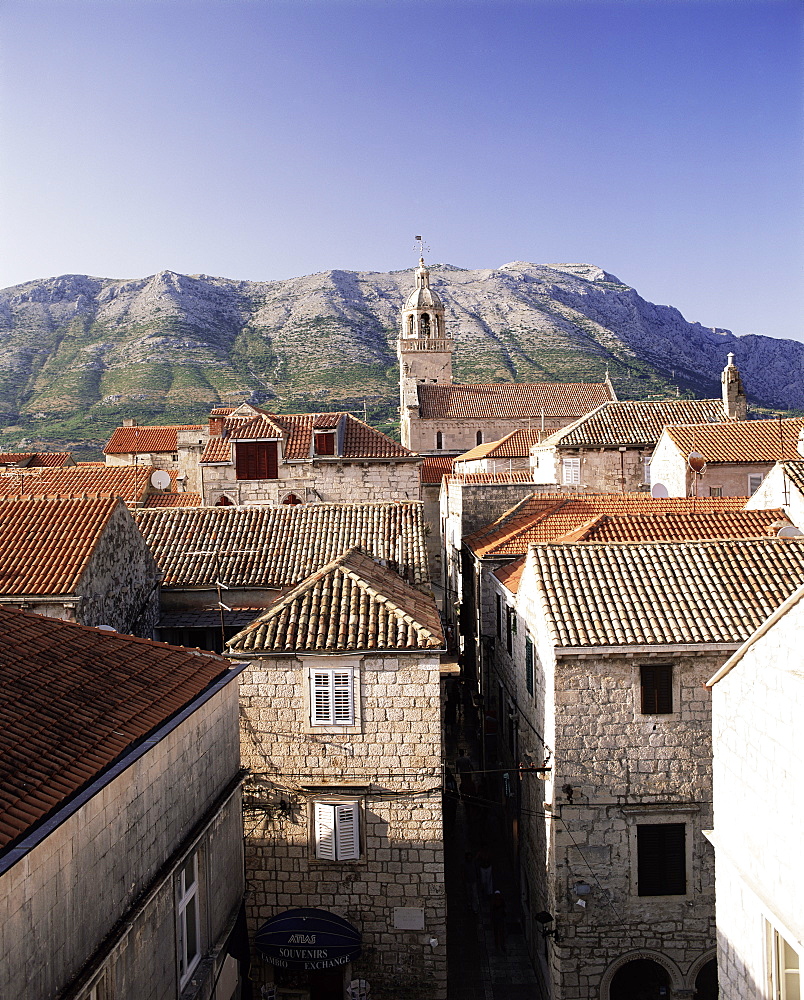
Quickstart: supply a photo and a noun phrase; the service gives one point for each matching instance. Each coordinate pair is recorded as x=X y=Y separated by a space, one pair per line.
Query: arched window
x=410 y=326
x=291 y=500
x=640 y=978
x=224 y=501
x=439 y=440
x=425 y=325
x=479 y=438
x=437 y=326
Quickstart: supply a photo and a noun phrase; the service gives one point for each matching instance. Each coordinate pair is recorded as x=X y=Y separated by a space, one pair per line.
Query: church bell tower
x=423 y=349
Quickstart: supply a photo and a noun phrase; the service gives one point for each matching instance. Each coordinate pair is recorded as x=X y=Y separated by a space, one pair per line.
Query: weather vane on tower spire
x=423 y=247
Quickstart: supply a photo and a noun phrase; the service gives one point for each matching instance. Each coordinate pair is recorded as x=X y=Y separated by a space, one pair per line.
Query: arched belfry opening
x=425 y=325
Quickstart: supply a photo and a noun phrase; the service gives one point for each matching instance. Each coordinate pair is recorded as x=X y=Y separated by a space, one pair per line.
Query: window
x=754 y=482
x=439 y=440
x=257 y=460
x=715 y=491
x=325 y=443
x=336 y=831
x=784 y=967
x=175 y=456
x=332 y=701
x=479 y=437
x=657 y=689
x=509 y=629
x=646 y=470
x=529 y=664
x=661 y=859
x=571 y=468
x=498 y=612
x=189 y=927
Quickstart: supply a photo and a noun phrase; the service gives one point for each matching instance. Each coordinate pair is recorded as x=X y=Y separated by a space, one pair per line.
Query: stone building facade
x=757 y=701
x=782 y=487
x=600 y=681
x=340 y=729
x=124 y=877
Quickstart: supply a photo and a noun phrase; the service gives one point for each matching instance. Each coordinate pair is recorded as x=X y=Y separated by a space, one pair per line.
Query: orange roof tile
x=146 y=439
x=126 y=481
x=741 y=440
x=511 y=400
x=351 y=604
x=45 y=544
x=634 y=423
x=517 y=444
x=490 y=478
x=676 y=526
x=433 y=468
x=510 y=574
x=546 y=517
x=73 y=700
x=172 y=500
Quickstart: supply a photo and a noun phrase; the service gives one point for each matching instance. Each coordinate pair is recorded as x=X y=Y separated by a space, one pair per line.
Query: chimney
x=734 y=401
x=215 y=425
x=129 y=422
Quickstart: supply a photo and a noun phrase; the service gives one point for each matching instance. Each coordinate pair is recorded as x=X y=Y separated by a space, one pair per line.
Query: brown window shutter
x=661 y=859
x=657 y=689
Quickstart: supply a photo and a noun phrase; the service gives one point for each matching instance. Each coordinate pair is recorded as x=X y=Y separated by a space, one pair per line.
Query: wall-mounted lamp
x=544 y=918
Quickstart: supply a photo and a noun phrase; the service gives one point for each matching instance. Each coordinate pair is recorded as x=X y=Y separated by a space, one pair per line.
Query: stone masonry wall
x=601 y=468
x=390 y=762
x=759 y=815
x=317 y=482
x=62 y=899
x=461 y=435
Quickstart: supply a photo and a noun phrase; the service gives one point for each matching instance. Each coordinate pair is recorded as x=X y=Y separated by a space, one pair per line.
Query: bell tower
x=423 y=349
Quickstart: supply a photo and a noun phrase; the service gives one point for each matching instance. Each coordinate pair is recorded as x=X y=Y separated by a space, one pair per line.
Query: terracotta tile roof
x=209 y=618
x=351 y=604
x=222 y=411
x=45 y=545
x=277 y=547
x=126 y=481
x=510 y=574
x=795 y=473
x=500 y=478
x=172 y=500
x=635 y=423
x=296 y=431
x=741 y=441
x=672 y=526
x=36 y=459
x=433 y=468
x=664 y=593
x=517 y=444
x=21 y=458
x=511 y=400
x=547 y=517
x=146 y=439
x=73 y=700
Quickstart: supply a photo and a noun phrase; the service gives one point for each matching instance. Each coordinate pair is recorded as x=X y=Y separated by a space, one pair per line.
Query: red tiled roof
x=126 y=481
x=676 y=526
x=511 y=400
x=510 y=574
x=741 y=440
x=36 y=459
x=517 y=444
x=634 y=423
x=351 y=604
x=433 y=468
x=73 y=700
x=546 y=517
x=500 y=478
x=146 y=439
x=172 y=500
x=45 y=545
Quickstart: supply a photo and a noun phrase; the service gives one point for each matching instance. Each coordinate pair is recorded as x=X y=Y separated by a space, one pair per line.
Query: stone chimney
x=129 y=422
x=216 y=424
x=734 y=401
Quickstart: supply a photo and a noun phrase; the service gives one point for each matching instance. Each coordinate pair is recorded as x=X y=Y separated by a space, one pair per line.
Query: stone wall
x=390 y=762
x=759 y=758
x=317 y=482
x=461 y=435
x=120 y=585
x=114 y=860
x=601 y=469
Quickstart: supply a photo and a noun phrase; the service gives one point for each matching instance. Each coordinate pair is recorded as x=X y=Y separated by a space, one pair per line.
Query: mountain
x=77 y=353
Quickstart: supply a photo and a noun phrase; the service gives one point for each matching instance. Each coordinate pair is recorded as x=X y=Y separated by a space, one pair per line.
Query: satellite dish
x=789 y=531
x=106 y=628
x=659 y=491
x=160 y=480
x=696 y=461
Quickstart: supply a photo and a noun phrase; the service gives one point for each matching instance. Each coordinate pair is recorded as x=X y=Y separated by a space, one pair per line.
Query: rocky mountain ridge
x=78 y=353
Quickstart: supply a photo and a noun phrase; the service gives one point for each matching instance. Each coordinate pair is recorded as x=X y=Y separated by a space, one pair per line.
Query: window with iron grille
x=509 y=629
x=336 y=831
x=332 y=700
x=657 y=688
x=661 y=859
x=498 y=610
x=529 y=665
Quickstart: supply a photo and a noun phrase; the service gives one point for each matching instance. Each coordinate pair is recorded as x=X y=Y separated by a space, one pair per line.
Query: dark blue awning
x=310 y=939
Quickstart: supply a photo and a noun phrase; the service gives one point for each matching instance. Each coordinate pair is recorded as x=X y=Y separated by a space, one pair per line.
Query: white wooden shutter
x=572 y=471
x=321 y=697
x=324 y=830
x=342 y=700
x=347 y=829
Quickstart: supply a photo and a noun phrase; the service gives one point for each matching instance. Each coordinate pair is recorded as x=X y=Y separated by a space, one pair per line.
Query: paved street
x=476 y=970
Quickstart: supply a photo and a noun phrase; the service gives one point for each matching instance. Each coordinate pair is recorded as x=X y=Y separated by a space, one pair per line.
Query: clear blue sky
x=264 y=139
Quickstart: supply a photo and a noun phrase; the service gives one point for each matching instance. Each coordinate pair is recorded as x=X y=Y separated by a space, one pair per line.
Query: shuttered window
x=325 y=443
x=332 y=697
x=657 y=689
x=529 y=665
x=336 y=831
x=257 y=460
x=661 y=859
x=571 y=468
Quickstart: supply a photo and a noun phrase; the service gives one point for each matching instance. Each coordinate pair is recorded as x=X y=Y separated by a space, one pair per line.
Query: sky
x=263 y=139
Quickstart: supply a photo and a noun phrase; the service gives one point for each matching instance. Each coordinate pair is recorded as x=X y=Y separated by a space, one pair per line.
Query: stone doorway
x=640 y=979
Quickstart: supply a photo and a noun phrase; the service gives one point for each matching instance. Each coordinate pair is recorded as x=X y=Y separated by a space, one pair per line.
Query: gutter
x=664 y=648
x=52 y=823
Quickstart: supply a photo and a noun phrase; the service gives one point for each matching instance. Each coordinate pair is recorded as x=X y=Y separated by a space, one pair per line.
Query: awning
x=309 y=939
